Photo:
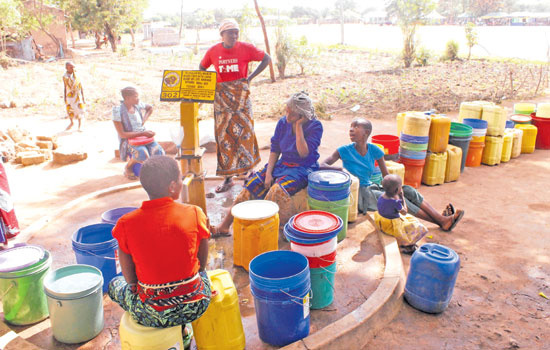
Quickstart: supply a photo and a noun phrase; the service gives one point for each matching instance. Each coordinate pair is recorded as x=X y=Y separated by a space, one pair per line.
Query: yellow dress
x=75 y=106
x=406 y=228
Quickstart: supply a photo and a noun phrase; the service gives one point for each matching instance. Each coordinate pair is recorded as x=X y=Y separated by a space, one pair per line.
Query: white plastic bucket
x=315 y=251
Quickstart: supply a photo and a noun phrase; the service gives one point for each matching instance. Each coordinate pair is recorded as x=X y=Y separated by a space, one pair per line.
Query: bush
x=283 y=50
x=123 y=50
x=423 y=56
x=305 y=54
x=451 y=50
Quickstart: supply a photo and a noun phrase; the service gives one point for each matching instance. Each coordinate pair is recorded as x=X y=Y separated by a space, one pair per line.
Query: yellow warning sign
x=188 y=86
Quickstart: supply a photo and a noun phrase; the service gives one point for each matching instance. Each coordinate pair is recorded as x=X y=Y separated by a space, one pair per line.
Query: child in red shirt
x=163 y=249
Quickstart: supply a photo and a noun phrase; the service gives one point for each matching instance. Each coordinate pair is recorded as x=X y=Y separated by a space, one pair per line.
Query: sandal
x=130 y=175
x=408 y=249
x=224 y=187
x=215 y=233
x=460 y=213
x=449 y=210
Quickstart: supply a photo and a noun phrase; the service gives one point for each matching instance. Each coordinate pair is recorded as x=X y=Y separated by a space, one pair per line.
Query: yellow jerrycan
x=220 y=327
x=396 y=168
x=496 y=119
x=434 y=169
x=507 y=146
x=439 y=133
x=529 y=137
x=134 y=336
x=516 y=142
x=354 y=197
x=454 y=159
x=492 y=152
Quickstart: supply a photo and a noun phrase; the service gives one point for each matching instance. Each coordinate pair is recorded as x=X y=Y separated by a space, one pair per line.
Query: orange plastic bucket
x=475 y=153
x=413 y=171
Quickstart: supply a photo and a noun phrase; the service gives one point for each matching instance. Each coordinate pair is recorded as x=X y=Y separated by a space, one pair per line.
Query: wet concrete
x=360 y=266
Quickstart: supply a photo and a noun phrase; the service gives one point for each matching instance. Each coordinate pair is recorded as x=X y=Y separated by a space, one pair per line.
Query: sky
x=173 y=6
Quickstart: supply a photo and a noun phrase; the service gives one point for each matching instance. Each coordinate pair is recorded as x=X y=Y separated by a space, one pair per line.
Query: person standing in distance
x=238 y=151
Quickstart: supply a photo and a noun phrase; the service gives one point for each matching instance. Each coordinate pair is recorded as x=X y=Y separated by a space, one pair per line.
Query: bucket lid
x=19 y=258
x=329 y=178
x=255 y=210
x=316 y=221
x=73 y=282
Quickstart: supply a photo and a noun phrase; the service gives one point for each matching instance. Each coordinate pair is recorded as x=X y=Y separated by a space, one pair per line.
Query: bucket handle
x=98 y=256
x=295 y=297
x=329 y=282
x=12 y=284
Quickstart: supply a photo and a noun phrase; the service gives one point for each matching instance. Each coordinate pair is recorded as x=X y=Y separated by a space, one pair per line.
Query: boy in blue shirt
x=358 y=158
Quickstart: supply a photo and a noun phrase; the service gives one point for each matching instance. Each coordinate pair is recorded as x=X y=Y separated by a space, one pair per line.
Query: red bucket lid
x=323 y=261
x=140 y=140
x=316 y=221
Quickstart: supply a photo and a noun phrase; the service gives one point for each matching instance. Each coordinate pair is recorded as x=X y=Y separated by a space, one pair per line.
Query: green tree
x=471 y=37
x=198 y=20
x=409 y=14
x=106 y=16
x=9 y=18
x=483 y=7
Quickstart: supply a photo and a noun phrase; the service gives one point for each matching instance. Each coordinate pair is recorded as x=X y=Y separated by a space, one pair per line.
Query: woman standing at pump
x=238 y=150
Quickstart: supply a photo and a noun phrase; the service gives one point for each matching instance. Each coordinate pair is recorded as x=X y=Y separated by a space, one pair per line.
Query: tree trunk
x=111 y=36
x=133 y=35
x=342 y=28
x=181 y=19
x=97 y=41
x=267 y=49
x=72 y=34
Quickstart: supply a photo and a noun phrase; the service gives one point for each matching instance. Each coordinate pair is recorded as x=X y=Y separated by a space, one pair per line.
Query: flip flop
x=224 y=187
x=408 y=249
x=449 y=210
x=456 y=220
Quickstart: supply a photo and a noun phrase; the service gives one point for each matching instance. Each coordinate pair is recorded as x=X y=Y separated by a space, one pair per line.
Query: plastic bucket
x=524 y=108
x=280 y=283
x=478 y=139
x=390 y=143
x=315 y=216
x=112 y=216
x=305 y=241
x=322 y=286
x=460 y=130
x=475 y=153
x=543 y=132
x=464 y=144
x=339 y=208
x=520 y=119
x=414 y=146
x=475 y=123
x=414 y=139
x=510 y=124
x=321 y=261
x=413 y=171
x=403 y=153
x=94 y=245
x=23 y=298
x=75 y=303
x=315 y=250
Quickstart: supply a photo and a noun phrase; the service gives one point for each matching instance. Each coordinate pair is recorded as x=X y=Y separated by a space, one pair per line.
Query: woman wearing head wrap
x=294 y=154
x=238 y=150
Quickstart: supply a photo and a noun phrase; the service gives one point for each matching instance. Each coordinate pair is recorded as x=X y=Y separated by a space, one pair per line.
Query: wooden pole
x=271 y=71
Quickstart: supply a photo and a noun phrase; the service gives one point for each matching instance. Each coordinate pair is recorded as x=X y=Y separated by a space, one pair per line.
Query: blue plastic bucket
x=510 y=124
x=322 y=286
x=322 y=195
x=94 y=245
x=112 y=216
x=414 y=139
x=475 y=123
x=404 y=153
x=291 y=235
x=280 y=283
x=136 y=168
x=432 y=275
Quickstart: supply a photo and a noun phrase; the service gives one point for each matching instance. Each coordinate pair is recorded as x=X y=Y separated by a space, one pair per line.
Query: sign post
x=189 y=88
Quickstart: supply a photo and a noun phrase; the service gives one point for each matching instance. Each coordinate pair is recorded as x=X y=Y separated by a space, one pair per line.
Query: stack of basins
x=436 y=158
x=541 y=120
x=460 y=136
x=313 y=234
x=477 y=144
x=329 y=190
x=376 y=176
x=414 y=146
x=496 y=124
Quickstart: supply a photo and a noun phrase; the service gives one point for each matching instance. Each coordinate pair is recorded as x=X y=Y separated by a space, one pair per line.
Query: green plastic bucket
x=461 y=130
x=22 y=270
x=322 y=286
x=339 y=208
x=75 y=302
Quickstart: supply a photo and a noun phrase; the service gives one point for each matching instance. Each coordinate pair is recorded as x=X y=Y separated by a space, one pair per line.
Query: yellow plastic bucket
x=529 y=137
x=255 y=230
x=493 y=150
x=220 y=327
x=507 y=146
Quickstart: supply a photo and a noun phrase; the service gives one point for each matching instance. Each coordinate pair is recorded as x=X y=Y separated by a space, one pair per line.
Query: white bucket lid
x=73 y=282
x=20 y=257
x=255 y=210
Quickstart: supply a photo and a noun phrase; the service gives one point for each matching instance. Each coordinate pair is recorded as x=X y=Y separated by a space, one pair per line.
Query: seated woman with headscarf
x=294 y=154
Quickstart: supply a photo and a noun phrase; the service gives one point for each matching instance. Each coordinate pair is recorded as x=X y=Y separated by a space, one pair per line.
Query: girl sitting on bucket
x=392 y=218
x=163 y=249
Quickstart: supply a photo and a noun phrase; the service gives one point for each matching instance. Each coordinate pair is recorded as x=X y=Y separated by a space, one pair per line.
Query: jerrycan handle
x=440 y=253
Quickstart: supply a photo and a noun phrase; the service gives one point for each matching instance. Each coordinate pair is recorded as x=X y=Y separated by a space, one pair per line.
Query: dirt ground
x=502 y=241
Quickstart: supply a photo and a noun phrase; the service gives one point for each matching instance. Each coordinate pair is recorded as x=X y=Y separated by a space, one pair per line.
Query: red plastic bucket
x=413 y=171
x=322 y=261
x=543 y=132
x=475 y=154
x=140 y=140
x=390 y=143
